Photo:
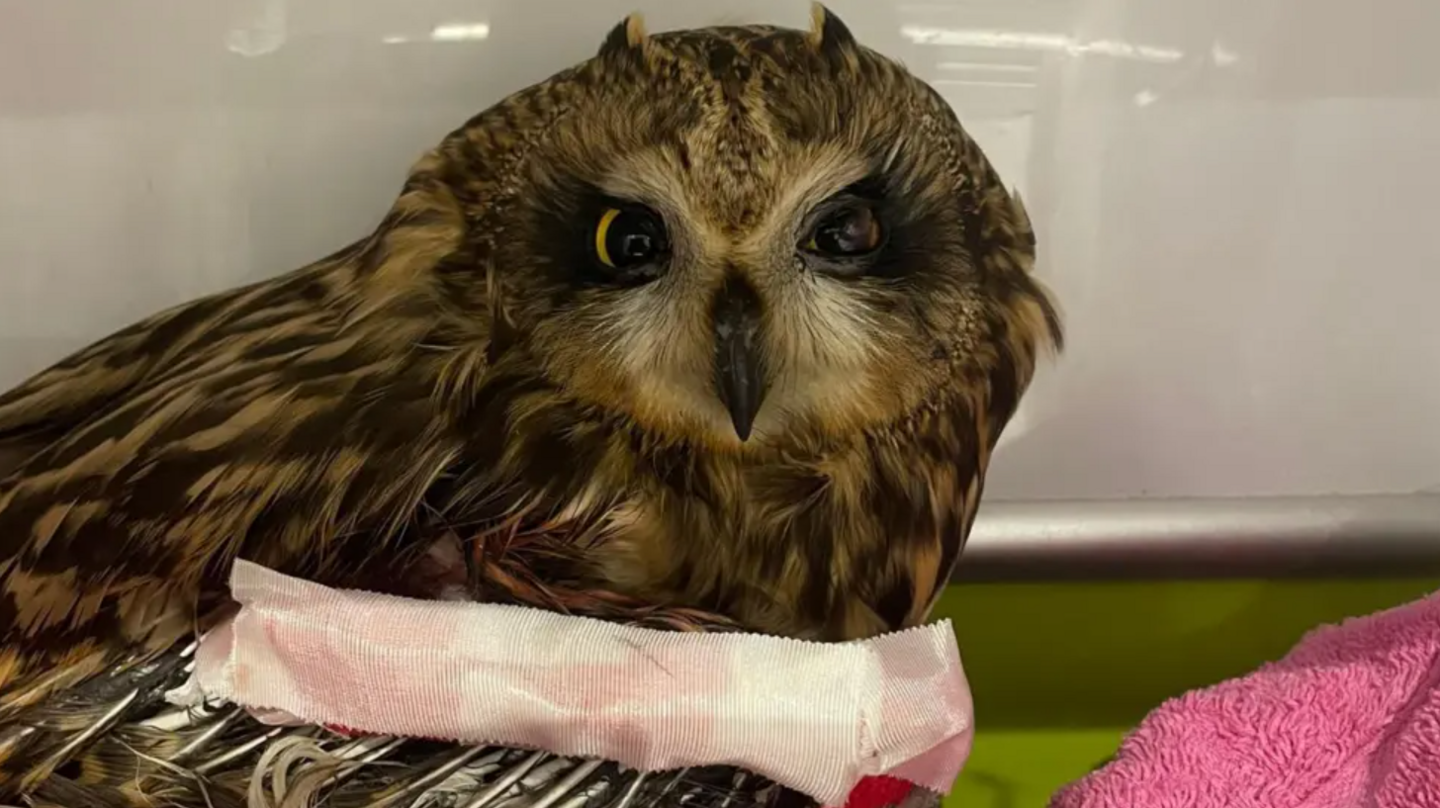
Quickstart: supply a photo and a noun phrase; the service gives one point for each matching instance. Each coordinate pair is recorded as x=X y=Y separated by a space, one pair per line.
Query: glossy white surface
x=1236 y=198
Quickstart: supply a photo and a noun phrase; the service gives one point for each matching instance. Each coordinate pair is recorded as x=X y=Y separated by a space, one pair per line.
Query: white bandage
x=812 y=716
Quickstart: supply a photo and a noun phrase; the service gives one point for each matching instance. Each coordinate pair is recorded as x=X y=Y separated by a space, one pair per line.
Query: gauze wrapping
x=812 y=716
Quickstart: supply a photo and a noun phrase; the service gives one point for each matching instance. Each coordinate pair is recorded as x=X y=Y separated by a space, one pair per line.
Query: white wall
x=1236 y=198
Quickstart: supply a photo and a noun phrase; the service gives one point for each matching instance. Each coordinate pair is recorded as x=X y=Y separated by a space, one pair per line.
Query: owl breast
x=839 y=547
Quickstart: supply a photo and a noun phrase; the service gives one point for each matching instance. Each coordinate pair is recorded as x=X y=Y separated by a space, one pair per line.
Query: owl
x=724 y=320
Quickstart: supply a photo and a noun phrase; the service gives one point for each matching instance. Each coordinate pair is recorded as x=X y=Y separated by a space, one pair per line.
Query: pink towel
x=1350 y=717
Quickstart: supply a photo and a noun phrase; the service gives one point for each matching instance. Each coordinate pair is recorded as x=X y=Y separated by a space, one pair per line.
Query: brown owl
x=723 y=321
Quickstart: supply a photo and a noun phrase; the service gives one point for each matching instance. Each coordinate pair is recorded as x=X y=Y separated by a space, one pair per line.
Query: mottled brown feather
x=457 y=373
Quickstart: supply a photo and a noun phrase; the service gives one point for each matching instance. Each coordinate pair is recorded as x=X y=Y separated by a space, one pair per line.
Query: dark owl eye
x=629 y=239
x=849 y=232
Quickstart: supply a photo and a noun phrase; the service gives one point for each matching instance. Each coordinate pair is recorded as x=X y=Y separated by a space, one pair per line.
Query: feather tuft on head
x=829 y=33
x=627 y=41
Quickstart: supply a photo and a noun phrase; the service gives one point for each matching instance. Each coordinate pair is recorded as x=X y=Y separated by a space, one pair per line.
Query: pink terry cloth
x=1350 y=718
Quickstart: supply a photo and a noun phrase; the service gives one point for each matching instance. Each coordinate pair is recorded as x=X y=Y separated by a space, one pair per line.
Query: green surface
x=1061 y=671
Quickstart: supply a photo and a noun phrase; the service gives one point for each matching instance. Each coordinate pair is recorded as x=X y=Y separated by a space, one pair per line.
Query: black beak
x=739 y=370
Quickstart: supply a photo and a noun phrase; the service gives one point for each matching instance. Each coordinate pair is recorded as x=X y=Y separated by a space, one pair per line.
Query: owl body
x=731 y=316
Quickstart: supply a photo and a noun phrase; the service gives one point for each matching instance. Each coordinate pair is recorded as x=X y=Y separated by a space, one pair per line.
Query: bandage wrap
x=815 y=717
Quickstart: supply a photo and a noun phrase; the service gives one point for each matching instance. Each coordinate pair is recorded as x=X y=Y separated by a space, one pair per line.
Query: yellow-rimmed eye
x=626 y=238
x=848 y=232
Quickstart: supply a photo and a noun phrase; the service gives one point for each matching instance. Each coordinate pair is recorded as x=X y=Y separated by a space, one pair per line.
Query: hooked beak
x=739 y=371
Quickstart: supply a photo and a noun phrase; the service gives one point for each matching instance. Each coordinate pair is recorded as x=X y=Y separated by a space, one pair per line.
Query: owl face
x=753 y=237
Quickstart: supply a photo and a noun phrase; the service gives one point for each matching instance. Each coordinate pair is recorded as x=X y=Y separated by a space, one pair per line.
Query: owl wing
x=266 y=422
x=76 y=389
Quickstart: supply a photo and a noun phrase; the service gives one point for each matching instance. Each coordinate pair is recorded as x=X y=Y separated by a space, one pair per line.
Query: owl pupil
x=637 y=246
x=849 y=232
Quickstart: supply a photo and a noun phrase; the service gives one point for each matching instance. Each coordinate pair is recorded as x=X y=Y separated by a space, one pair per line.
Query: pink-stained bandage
x=816 y=717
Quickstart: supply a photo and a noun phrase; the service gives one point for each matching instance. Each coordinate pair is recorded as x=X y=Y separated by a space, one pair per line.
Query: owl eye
x=629 y=239
x=849 y=232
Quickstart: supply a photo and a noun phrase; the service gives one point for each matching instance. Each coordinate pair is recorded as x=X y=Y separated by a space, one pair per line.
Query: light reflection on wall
x=446 y=32
x=1027 y=40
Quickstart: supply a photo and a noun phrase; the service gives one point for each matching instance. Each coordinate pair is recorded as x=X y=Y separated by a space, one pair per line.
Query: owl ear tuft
x=829 y=33
x=1024 y=230
x=626 y=42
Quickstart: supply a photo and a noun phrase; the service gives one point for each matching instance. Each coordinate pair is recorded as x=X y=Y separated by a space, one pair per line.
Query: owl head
x=750 y=237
